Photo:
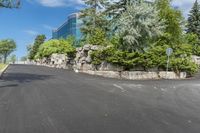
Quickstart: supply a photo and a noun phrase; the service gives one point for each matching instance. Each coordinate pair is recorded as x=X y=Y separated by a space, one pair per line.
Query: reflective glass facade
x=70 y=27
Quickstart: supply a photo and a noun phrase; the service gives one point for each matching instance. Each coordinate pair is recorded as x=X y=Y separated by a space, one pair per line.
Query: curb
x=2 y=72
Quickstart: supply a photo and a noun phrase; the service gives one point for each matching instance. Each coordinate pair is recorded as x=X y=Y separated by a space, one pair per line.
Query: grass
x=2 y=66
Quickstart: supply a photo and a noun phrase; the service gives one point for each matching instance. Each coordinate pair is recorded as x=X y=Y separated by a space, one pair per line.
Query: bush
x=183 y=65
x=154 y=57
x=116 y=57
x=55 y=46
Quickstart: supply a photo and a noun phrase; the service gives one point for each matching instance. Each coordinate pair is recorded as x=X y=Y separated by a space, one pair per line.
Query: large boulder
x=104 y=66
x=196 y=59
x=87 y=47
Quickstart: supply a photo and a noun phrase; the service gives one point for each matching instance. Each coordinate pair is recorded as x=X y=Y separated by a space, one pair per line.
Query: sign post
x=169 y=51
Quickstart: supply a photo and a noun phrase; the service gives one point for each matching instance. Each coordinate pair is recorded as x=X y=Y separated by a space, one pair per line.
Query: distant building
x=71 y=27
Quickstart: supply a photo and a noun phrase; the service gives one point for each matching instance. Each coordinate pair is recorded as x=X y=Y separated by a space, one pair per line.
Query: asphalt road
x=37 y=99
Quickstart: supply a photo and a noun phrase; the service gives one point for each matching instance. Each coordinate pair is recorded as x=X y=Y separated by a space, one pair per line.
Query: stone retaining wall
x=137 y=75
x=83 y=63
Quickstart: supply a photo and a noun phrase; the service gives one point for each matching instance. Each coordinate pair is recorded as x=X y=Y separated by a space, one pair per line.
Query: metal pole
x=167 y=66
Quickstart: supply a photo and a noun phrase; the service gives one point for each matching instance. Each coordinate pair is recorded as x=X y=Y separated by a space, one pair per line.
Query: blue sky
x=41 y=16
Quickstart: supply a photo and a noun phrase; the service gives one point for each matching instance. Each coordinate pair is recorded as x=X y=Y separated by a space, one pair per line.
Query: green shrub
x=116 y=57
x=183 y=65
x=55 y=46
x=154 y=57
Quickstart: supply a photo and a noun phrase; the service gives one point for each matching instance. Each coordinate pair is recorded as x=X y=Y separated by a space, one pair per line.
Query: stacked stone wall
x=83 y=63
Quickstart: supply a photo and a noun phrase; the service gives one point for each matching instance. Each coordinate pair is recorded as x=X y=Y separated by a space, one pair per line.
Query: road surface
x=36 y=99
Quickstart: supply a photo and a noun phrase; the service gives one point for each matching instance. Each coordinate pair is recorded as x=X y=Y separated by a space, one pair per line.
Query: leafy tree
x=55 y=46
x=23 y=58
x=7 y=47
x=34 y=49
x=93 y=17
x=193 y=25
x=173 y=20
x=137 y=25
x=9 y=3
x=13 y=58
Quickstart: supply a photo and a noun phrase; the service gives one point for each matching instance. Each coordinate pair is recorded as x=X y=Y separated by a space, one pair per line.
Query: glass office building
x=70 y=28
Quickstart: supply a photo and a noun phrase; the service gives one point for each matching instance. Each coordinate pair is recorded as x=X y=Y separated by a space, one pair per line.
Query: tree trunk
x=5 y=58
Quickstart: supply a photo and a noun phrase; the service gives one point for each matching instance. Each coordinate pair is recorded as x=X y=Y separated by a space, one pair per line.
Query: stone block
x=138 y=75
x=168 y=75
x=104 y=66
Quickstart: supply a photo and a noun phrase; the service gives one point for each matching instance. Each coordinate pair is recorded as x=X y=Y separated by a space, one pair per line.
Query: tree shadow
x=8 y=86
x=24 y=77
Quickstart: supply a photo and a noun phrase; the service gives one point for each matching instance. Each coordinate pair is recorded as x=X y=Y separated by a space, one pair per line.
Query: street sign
x=169 y=51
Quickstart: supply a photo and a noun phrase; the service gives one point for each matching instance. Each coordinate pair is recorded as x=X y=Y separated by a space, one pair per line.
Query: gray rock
x=95 y=47
x=79 y=49
x=86 y=47
x=82 y=59
x=88 y=59
x=109 y=67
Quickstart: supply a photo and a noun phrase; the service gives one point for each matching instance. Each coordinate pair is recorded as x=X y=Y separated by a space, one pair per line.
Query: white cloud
x=184 y=5
x=31 y=32
x=58 y=3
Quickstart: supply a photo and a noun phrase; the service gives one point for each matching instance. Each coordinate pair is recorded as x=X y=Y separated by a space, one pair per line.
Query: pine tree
x=193 y=25
x=115 y=9
x=138 y=25
x=9 y=3
x=93 y=17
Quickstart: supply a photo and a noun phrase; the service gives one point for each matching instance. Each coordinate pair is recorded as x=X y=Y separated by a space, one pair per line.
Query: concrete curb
x=2 y=72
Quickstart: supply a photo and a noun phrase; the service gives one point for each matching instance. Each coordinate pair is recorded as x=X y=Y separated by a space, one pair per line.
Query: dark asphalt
x=37 y=99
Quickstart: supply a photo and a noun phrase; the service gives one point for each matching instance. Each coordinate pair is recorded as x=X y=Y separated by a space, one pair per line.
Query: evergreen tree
x=138 y=25
x=34 y=49
x=9 y=3
x=93 y=17
x=193 y=25
x=114 y=9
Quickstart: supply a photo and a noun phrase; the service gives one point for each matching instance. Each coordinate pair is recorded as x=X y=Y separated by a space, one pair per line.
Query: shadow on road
x=8 y=86
x=24 y=77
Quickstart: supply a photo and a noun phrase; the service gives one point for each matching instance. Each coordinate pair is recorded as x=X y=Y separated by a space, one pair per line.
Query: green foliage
x=9 y=3
x=173 y=23
x=115 y=41
x=116 y=57
x=98 y=37
x=35 y=47
x=192 y=39
x=183 y=65
x=193 y=25
x=55 y=46
x=154 y=58
x=7 y=47
x=137 y=25
x=93 y=18
x=115 y=9
x=13 y=58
